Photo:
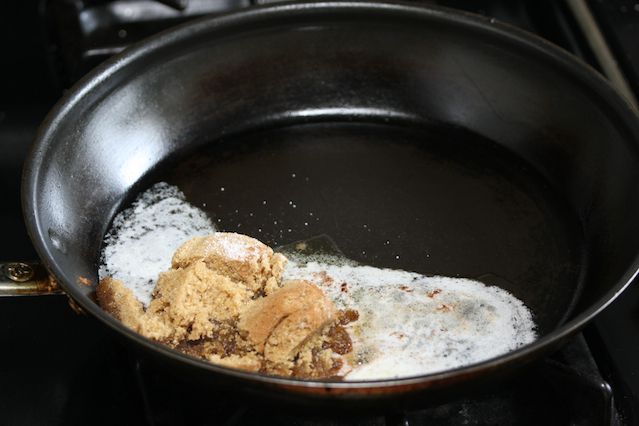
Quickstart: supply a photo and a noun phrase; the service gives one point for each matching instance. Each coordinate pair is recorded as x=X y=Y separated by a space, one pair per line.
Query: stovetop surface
x=59 y=368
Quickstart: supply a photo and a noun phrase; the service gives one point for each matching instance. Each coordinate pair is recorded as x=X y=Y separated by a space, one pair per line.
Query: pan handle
x=26 y=279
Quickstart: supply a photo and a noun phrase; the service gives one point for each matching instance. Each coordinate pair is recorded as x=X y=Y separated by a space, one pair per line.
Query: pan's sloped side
x=327 y=62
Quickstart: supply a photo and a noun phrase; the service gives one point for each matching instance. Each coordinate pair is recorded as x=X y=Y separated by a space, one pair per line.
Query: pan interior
x=435 y=200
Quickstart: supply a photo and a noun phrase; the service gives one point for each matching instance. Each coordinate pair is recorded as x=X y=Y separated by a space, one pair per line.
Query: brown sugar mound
x=223 y=300
x=119 y=301
x=236 y=256
x=280 y=323
x=189 y=298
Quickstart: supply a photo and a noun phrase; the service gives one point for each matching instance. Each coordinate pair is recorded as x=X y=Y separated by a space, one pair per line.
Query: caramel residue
x=434 y=293
x=444 y=308
x=324 y=277
x=84 y=281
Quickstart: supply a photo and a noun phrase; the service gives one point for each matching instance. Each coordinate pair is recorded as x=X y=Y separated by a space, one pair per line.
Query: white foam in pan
x=410 y=324
x=143 y=238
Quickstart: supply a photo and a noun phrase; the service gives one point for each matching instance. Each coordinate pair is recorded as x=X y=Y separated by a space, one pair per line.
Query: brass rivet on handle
x=19 y=272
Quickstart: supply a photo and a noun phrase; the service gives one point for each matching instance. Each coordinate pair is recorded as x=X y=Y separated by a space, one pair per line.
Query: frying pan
x=421 y=138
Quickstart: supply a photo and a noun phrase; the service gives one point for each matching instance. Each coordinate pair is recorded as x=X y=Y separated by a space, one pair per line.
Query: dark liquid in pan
x=437 y=201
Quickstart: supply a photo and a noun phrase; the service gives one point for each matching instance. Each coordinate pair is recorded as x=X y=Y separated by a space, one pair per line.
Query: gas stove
x=61 y=367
